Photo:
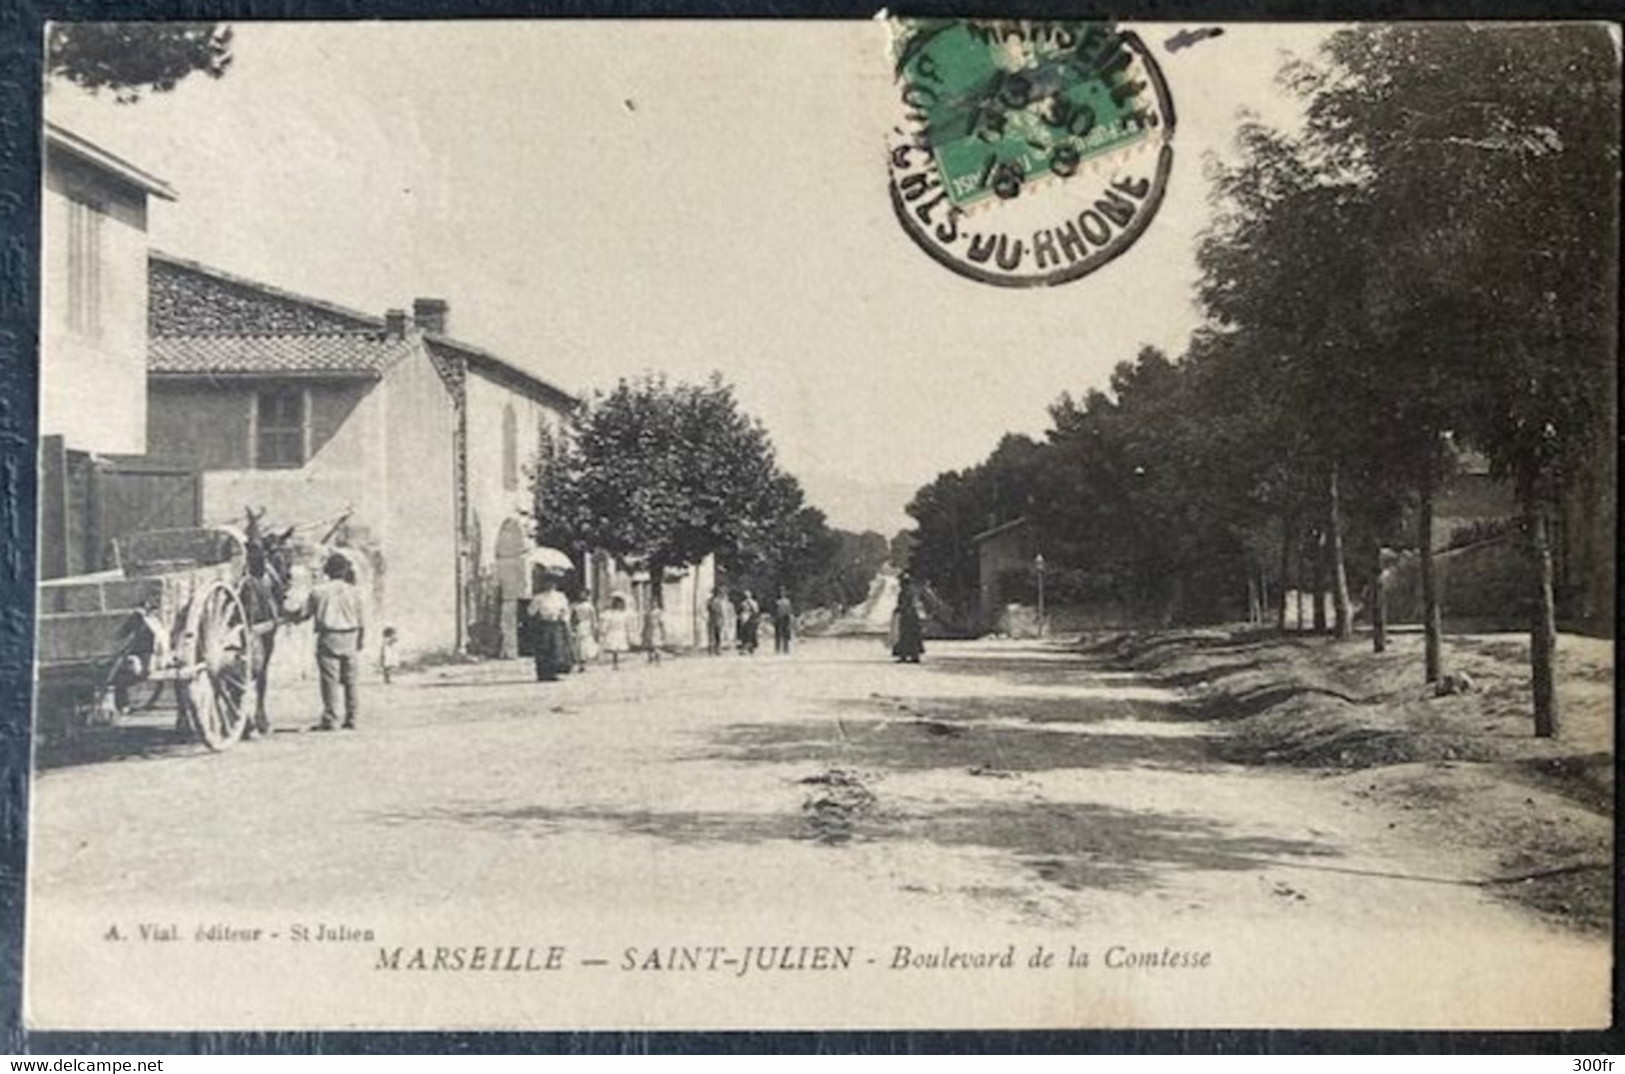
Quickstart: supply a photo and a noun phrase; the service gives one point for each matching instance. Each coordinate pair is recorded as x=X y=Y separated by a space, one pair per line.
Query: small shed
x=1006 y=547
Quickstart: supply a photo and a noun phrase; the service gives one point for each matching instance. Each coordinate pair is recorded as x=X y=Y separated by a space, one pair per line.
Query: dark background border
x=21 y=23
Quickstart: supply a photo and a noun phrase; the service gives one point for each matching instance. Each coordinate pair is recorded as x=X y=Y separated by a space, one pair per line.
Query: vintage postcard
x=897 y=523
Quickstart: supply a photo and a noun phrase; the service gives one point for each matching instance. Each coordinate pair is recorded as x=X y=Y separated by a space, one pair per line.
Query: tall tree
x=843 y=572
x=816 y=566
x=948 y=512
x=1267 y=276
x=1141 y=495
x=902 y=548
x=664 y=474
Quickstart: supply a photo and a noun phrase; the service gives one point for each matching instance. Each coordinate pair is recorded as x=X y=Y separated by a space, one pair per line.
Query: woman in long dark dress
x=908 y=640
x=550 y=624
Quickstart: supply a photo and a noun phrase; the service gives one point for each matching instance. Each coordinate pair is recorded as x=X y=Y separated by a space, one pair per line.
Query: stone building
x=417 y=441
x=500 y=413
x=1000 y=550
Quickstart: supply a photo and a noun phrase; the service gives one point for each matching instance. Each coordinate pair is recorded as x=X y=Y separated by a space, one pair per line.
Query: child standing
x=386 y=653
x=615 y=629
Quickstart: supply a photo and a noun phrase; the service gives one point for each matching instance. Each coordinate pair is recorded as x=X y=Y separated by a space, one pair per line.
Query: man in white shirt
x=341 y=628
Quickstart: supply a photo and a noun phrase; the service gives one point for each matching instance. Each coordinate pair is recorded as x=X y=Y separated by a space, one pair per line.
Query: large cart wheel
x=217 y=656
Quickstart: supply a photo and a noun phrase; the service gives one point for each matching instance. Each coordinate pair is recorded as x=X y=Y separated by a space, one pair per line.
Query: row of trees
x=662 y=475
x=816 y=565
x=1427 y=265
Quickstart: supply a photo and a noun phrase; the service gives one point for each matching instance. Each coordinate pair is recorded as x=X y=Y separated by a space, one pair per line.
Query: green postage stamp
x=1026 y=153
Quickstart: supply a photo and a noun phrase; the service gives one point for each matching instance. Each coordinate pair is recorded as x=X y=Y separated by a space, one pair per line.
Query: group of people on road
x=567 y=634
x=742 y=621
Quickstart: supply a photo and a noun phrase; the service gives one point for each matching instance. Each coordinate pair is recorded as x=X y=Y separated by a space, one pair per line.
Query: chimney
x=395 y=324
x=430 y=314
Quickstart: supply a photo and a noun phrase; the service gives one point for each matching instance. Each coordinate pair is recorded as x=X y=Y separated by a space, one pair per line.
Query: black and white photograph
x=901 y=523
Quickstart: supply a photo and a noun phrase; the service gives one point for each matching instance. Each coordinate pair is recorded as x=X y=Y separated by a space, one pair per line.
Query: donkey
x=263 y=592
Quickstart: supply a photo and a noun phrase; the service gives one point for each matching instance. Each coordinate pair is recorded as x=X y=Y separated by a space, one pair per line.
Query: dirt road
x=1001 y=795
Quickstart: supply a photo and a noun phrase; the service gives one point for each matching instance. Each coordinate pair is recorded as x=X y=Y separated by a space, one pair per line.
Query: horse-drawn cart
x=175 y=612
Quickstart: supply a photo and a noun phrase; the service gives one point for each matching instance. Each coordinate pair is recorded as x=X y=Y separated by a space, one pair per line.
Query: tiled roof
x=351 y=353
x=485 y=362
x=203 y=321
x=185 y=298
x=1001 y=528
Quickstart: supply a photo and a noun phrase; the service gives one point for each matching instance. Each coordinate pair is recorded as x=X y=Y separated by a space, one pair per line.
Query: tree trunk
x=1379 y=600
x=1173 y=608
x=1318 y=551
x=697 y=615
x=1254 y=612
x=1432 y=622
x=1303 y=617
x=1286 y=570
x=657 y=585
x=1344 y=615
x=1543 y=627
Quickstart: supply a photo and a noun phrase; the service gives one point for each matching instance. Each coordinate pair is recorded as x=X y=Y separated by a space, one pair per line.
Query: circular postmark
x=1026 y=154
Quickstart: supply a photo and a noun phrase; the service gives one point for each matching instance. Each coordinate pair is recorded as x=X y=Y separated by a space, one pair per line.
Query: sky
x=596 y=200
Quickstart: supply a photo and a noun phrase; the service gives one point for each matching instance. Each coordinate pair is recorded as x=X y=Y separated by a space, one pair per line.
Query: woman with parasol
x=550 y=619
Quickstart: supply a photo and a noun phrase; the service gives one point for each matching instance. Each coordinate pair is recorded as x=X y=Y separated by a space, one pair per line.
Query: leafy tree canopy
x=666 y=474
x=131 y=58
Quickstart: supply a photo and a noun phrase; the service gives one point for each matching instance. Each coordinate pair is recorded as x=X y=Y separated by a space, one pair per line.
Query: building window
x=279 y=428
x=510 y=448
x=86 y=268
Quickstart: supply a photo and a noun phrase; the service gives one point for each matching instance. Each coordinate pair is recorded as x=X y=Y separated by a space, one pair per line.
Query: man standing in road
x=335 y=604
x=784 y=621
